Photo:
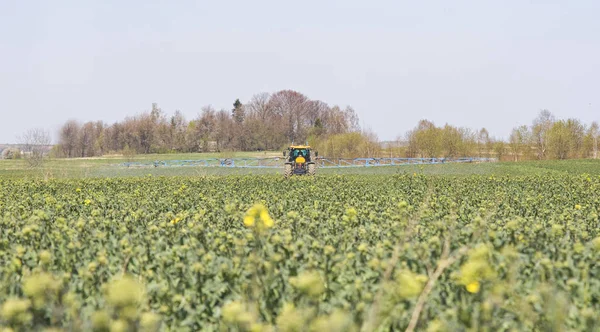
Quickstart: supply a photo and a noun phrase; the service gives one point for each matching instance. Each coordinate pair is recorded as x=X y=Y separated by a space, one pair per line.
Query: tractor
x=299 y=161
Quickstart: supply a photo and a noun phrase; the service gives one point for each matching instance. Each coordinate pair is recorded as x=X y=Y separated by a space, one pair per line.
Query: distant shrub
x=11 y=153
x=128 y=153
x=56 y=152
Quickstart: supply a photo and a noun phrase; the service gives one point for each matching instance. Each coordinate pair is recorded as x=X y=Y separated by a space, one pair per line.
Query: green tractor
x=299 y=161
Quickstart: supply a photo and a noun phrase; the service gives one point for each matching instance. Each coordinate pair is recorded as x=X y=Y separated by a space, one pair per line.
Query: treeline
x=272 y=121
x=545 y=138
x=266 y=122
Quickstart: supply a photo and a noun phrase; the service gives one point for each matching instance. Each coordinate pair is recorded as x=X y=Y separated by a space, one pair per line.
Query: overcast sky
x=476 y=63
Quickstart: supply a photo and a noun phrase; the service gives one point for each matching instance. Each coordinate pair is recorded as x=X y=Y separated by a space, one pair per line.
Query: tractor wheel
x=287 y=171
x=312 y=169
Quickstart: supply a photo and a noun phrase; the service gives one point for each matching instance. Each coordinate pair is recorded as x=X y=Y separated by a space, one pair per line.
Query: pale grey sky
x=469 y=63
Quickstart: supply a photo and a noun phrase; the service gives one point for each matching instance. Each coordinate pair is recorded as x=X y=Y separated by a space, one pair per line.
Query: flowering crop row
x=328 y=253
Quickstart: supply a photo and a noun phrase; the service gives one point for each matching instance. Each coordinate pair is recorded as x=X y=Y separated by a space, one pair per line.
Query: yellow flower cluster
x=409 y=284
x=476 y=269
x=239 y=314
x=473 y=287
x=125 y=292
x=16 y=311
x=258 y=213
x=309 y=283
x=41 y=288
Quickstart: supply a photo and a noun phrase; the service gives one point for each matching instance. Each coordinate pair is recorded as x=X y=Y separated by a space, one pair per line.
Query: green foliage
x=427 y=140
x=159 y=253
x=347 y=145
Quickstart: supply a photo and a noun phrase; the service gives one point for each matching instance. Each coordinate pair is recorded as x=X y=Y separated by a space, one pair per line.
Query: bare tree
x=539 y=132
x=293 y=108
x=590 y=140
x=483 y=141
x=178 y=126
x=34 y=143
x=86 y=140
x=518 y=140
x=68 y=136
x=371 y=145
x=412 y=149
x=207 y=127
x=594 y=132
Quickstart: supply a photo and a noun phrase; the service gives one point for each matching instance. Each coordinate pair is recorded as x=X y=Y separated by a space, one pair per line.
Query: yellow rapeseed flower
x=249 y=220
x=39 y=284
x=292 y=319
x=258 y=212
x=577 y=207
x=477 y=267
x=596 y=244
x=119 y=325
x=45 y=257
x=409 y=284
x=100 y=320
x=16 y=310
x=237 y=313
x=150 y=321
x=265 y=218
x=473 y=287
x=125 y=292
x=309 y=283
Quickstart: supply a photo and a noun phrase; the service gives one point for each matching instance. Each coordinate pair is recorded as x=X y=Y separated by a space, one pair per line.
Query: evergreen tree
x=237 y=113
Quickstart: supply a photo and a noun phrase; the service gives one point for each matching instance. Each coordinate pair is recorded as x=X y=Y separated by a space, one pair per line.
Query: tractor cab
x=304 y=153
x=299 y=160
